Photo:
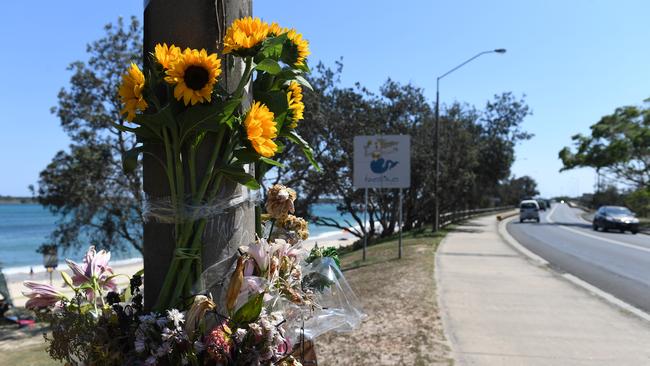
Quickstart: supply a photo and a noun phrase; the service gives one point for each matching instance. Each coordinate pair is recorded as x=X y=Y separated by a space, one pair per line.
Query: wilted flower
x=296 y=224
x=280 y=201
x=200 y=306
x=41 y=295
x=218 y=343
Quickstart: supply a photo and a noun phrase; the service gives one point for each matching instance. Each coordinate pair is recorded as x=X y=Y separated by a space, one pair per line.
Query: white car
x=528 y=210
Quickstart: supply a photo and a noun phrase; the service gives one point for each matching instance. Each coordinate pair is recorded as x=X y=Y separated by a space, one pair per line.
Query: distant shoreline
x=9 y=200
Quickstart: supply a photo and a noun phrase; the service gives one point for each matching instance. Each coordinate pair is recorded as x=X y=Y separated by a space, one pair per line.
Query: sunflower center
x=196 y=77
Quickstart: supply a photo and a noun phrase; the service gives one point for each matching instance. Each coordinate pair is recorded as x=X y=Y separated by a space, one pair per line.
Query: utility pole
x=195 y=24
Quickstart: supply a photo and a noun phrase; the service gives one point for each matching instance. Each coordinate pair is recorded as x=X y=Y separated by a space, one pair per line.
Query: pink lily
x=95 y=265
x=260 y=251
x=41 y=295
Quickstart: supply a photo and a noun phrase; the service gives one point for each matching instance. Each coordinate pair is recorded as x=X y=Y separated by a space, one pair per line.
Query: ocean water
x=23 y=228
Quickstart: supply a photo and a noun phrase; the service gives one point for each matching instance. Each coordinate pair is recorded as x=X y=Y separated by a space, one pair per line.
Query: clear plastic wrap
x=338 y=309
x=333 y=305
x=165 y=210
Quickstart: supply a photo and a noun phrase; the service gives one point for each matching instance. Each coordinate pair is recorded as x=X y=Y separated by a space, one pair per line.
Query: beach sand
x=131 y=266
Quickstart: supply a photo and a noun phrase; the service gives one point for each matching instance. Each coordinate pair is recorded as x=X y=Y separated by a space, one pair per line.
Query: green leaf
x=250 y=311
x=130 y=159
x=289 y=52
x=238 y=175
x=306 y=149
x=302 y=81
x=207 y=117
x=269 y=65
x=272 y=47
x=276 y=101
x=246 y=156
x=155 y=121
x=143 y=132
x=271 y=162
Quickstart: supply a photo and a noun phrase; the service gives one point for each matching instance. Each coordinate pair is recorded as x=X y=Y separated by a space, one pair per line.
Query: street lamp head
x=500 y=50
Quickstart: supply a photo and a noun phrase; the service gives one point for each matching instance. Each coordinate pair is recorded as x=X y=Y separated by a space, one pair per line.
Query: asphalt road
x=616 y=263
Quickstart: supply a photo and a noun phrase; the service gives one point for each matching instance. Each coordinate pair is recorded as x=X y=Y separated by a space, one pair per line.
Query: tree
x=619 y=145
x=86 y=185
x=471 y=142
x=514 y=190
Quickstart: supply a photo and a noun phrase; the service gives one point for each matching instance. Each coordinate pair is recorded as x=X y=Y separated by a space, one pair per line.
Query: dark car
x=542 y=204
x=615 y=218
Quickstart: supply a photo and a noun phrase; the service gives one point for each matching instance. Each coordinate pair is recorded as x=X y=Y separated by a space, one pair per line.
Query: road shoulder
x=499 y=307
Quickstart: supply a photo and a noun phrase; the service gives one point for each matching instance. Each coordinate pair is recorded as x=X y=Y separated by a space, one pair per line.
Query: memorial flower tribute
x=179 y=105
x=272 y=294
x=277 y=293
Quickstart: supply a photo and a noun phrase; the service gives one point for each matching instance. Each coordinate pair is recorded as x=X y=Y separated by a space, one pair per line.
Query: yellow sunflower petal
x=130 y=92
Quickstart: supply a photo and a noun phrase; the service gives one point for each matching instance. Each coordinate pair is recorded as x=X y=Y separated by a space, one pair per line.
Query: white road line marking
x=616 y=242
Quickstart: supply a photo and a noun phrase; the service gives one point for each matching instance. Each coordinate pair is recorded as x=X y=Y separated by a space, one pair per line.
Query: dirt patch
x=403 y=325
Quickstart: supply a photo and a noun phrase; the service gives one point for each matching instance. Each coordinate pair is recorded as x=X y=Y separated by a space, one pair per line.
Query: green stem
x=183 y=274
x=192 y=163
x=184 y=233
x=245 y=77
x=184 y=277
x=258 y=209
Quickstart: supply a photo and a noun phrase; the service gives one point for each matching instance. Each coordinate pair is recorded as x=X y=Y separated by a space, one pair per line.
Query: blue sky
x=575 y=61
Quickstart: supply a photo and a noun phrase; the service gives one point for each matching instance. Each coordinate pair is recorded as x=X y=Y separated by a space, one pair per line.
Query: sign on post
x=382 y=161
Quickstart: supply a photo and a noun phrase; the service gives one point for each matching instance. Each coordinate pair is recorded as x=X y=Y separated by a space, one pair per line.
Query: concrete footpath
x=500 y=308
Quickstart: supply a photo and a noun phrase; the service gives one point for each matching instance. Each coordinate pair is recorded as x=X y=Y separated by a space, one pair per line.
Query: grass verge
x=399 y=295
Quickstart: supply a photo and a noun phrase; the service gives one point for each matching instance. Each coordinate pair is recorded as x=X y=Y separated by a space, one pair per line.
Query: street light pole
x=436 y=184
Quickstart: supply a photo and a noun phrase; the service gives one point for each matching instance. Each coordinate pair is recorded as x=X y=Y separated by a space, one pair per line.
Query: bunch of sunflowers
x=179 y=104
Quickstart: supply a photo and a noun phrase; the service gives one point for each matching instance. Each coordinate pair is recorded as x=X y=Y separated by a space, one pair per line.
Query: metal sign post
x=365 y=224
x=399 y=253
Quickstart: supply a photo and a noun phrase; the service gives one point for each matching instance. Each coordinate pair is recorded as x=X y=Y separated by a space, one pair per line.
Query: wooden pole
x=195 y=24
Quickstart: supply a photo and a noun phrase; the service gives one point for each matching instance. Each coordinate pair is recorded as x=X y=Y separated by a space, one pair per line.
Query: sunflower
x=194 y=74
x=275 y=30
x=302 y=46
x=245 y=33
x=261 y=129
x=131 y=92
x=166 y=55
x=296 y=106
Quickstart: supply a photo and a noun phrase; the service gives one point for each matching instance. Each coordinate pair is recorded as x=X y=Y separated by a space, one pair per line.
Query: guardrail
x=448 y=218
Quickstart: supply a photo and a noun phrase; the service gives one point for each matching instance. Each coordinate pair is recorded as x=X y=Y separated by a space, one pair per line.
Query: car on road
x=542 y=204
x=615 y=218
x=528 y=210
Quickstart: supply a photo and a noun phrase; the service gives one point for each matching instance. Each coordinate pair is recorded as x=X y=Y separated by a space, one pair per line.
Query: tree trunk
x=195 y=24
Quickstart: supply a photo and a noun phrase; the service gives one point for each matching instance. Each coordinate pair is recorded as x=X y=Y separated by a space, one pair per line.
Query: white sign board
x=382 y=161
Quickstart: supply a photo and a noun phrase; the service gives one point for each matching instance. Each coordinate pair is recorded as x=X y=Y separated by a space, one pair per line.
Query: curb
x=450 y=339
x=505 y=235
x=541 y=262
